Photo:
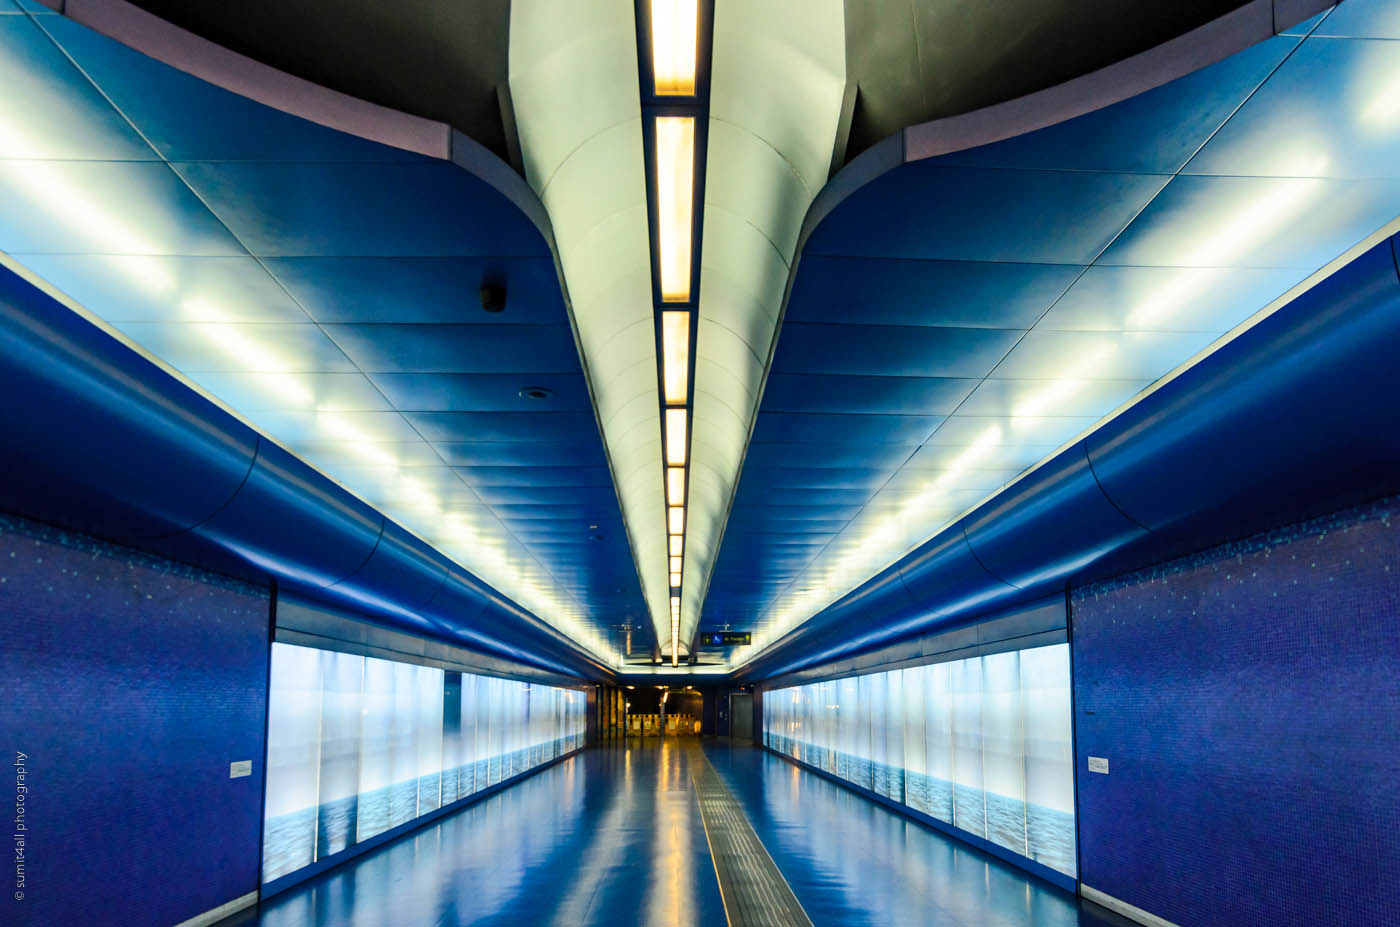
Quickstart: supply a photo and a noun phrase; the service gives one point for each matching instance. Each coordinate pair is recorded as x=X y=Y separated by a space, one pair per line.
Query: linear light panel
x=674 y=46
x=675 y=355
x=675 y=485
x=675 y=195
x=677 y=545
x=675 y=437
x=675 y=580
x=675 y=564
x=676 y=518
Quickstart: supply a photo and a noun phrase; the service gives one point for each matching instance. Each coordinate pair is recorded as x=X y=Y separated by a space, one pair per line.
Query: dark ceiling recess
x=439 y=59
x=913 y=62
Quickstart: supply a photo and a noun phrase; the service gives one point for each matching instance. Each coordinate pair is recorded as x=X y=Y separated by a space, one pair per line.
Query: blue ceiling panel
x=199 y=346
x=840 y=456
x=537 y=476
x=407 y=289
x=392 y=348
x=800 y=427
x=188 y=120
x=348 y=209
x=1362 y=19
x=65 y=117
x=1108 y=355
x=1153 y=133
x=1206 y=299
x=172 y=288
x=929 y=210
x=960 y=294
x=777 y=495
x=519 y=454
x=105 y=207
x=1200 y=221
x=1293 y=126
x=484 y=392
x=798 y=477
x=787 y=392
x=888 y=350
x=547 y=495
x=577 y=427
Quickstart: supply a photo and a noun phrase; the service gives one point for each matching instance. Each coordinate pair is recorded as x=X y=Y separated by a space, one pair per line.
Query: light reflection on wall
x=983 y=744
x=358 y=746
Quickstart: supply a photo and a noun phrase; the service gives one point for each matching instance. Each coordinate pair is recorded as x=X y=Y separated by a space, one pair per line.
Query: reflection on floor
x=613 y=837
x=853 y=862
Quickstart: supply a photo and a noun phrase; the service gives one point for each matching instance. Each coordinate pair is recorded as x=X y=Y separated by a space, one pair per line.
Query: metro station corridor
x=600 y=839
x=750 y=463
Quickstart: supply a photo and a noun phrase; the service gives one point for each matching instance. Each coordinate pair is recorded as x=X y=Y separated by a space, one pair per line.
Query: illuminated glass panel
x=982 y=743
x=358 y=746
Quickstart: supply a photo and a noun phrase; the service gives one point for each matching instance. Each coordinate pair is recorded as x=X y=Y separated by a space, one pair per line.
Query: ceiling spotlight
x=493 y=297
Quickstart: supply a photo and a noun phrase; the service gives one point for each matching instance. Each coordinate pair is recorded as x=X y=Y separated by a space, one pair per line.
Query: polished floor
x=614 y=836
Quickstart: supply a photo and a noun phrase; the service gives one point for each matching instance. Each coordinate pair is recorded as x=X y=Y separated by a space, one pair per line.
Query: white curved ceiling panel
x=573 y=84
x=778 y=78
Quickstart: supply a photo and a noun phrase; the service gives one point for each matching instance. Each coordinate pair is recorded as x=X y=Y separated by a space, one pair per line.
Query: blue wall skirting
x=1246 y=699
x=282 y=883
x=1054 y=877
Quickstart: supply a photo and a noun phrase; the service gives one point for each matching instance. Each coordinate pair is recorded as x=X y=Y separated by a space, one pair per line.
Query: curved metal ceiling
x=326 y=289
x=1014 y=294
x=573 y=77
x=948 y=292
x=775 y=107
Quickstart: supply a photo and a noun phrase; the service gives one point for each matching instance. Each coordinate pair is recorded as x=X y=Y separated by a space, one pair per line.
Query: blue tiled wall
x=130 y=685
x=1248 y=702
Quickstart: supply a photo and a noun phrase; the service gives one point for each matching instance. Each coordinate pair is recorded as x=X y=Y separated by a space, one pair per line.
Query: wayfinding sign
x=725 y=638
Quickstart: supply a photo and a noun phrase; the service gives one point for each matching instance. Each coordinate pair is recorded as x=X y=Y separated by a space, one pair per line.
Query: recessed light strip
x=673 y=45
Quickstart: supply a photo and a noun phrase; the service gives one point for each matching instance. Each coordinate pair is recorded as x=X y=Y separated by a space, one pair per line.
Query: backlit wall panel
x=982 y=744
x=358 y=746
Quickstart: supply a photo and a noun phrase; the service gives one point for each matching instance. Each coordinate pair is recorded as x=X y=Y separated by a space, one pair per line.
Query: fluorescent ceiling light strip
x=675 y=485
x=675 y=194
x=676 y=519
x=677 y=544
x=675 y=355
x=674 y=46
x=675 y=437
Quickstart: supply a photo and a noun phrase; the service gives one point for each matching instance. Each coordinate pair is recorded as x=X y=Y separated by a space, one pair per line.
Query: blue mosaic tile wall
x=130 y=685
x=1247 y=700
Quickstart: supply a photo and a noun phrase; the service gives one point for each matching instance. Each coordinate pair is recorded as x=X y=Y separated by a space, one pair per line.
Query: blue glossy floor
x=614 y=836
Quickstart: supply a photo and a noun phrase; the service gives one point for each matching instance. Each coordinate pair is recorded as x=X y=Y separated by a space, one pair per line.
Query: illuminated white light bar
x=675 y=437
x=675 y=486
x=675 y=355
x=675 y=580
x=674 y=46
x=677 y=545
x=675 y=194
x=675 y=564
x=675 y=516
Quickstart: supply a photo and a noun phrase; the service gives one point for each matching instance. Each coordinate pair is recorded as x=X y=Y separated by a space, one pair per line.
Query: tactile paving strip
x=754 y=891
